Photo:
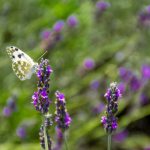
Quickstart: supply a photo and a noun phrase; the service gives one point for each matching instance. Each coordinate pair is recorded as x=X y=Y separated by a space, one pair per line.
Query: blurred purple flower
x=11 y=103
x=98 y=109
x=121 y=87
x=144 y=17
x=125 y=74
x=147 y=148
x=45 y=34
x=89 y=63
x=135 y=83
x=144 y=99
x=102 y=5
x=112 y=95
x=145 y=70
x=58 y=26
x=72 y=21
x=7 y=111
x=21 y=132
x=60 y=139
x=94 y=85
x=120 y=136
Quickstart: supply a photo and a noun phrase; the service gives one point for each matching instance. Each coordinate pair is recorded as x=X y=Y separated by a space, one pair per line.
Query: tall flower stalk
x=110 y=121
x=41 y=101
x=62 y=119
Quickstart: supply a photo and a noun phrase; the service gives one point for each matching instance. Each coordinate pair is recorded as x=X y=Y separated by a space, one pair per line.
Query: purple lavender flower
x=7 y=111
x=21 y=132
x=40 y=98
x=45 y=34
x=120 y=136
x=145 y=70
x=42 y=140
x=94 y=84
x=144 y=99
x=147 y=148
x=58 y=26
x=60 y=139
x=112 y=95
x=121 y=87
x=135 y=83
x=102 y=5
x=72 y=21
x=125 y=73
x=89 y=63
x=62 y=118
x=10 y=107
x=144 y=17
x=99 y=108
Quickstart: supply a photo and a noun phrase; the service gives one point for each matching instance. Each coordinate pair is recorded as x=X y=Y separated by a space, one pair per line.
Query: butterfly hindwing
x=22 y=64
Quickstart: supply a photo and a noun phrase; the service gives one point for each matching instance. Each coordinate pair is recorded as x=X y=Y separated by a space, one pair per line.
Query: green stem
x=109 y=142
x=65 y=140
x=45 y=135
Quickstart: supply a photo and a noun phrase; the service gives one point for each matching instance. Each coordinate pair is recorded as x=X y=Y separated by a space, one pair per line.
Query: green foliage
x=115 y=32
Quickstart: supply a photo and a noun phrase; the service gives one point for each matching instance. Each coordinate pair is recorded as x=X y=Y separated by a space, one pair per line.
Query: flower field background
x=89 y=44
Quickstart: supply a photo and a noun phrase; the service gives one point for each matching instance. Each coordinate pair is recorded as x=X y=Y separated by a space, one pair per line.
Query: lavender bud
x=58 y=26
x=72 y=21
x=21 y=132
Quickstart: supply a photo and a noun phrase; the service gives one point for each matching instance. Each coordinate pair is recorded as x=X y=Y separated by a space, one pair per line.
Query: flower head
x=62 y=118
x=45 y=34
x=112 y=95
x=58 y=26
x=120 y=136
x=94 y=84
x=40 y=98
x=145 y=70
x=102 y=5
x=144 y=17
x=72 y=21
x=21 y=132
x=7 y=111
x=89 y=63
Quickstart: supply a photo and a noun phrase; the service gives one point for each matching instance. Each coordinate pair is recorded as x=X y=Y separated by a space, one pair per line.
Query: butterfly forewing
x=22 y=64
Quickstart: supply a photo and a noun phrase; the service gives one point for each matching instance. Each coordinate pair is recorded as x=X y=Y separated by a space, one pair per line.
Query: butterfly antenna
x=42 y=55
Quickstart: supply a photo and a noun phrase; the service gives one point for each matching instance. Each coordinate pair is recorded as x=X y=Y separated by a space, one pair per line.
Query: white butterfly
x=22 y=64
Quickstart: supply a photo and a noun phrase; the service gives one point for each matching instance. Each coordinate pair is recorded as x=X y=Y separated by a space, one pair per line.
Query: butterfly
x=22 y=64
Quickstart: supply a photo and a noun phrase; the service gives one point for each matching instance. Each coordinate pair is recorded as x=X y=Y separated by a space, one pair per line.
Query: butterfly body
x=22 y=64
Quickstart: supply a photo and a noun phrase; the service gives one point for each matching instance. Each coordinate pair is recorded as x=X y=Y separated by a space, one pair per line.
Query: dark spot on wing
x=13 y=56
x=11 y=47
x=19 y=55
x=16 y=49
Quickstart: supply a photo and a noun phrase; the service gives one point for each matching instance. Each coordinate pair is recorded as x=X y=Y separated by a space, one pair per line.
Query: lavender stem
x=45 y=135
x=65 y=139
x=109 y=142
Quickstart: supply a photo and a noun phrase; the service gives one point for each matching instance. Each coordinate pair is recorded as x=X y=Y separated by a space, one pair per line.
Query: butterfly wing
x=22 y=64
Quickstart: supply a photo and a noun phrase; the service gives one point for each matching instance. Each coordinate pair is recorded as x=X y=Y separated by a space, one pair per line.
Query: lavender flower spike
x=62 y=118
x=40 y=98
x=110 y=121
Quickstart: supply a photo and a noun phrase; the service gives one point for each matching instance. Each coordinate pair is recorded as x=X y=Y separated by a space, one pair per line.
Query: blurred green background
x=106 y=39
